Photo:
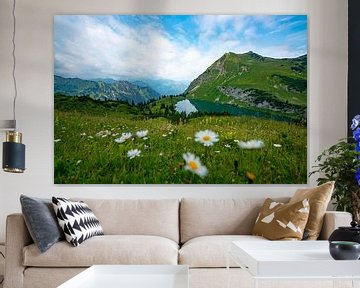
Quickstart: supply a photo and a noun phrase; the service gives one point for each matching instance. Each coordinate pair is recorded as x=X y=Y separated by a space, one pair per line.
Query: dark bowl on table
x=344 y=250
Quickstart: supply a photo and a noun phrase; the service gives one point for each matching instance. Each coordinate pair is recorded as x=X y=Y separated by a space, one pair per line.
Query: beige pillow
x=319 y=198
x=279 y=221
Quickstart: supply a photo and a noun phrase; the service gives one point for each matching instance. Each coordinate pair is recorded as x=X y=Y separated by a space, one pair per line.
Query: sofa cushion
x=158 y=217
x=107 y=249
x=279 y=221
x=319 y=198
x=77 y=220
x=41 y=221
x=201 y=217
x=211 y=251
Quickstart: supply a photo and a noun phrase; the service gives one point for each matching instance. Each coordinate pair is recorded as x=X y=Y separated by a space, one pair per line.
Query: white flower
x=133 y=153
x=206 y=137
x=126 y=136
x=145 y=138
x=90 y=137
x=123 y=138
x=57 y=140
x=164 y=135
x=83 y=134
x=103 y=134
x=120 y=140
x=252 y=144
x=277 y=145
x=142 y=134
x=227 y=146
x=161 y=154
x=186 y=107
x=194 y=165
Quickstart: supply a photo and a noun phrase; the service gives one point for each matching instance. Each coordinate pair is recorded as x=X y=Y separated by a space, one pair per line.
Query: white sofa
x=194 y=232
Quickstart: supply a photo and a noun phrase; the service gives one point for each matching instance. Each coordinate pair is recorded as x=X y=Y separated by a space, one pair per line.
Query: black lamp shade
x=13 y=157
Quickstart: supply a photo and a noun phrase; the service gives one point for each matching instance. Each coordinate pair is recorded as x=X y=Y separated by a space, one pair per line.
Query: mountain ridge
x=105 y=90
x=250 y=79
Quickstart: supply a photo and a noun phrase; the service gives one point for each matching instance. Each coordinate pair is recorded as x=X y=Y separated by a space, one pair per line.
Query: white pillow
x=76 y=220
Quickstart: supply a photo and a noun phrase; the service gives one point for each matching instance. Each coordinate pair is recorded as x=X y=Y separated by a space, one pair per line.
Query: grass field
x=86 y=153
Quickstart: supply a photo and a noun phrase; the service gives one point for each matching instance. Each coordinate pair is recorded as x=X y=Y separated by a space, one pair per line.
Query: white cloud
x=96 y=47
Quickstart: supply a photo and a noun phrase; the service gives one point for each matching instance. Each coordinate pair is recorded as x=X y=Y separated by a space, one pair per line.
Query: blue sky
x=178 y=47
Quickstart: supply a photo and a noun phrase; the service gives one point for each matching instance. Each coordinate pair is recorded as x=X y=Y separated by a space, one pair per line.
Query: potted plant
x=341 y=163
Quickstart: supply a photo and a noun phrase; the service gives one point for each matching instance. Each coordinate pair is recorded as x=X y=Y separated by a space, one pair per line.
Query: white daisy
x=126 y=136
x=277 y=145
x=142 y=133
x=186 y=107
x=133 y=153
x=123 y=138
x=120 y=140
x=227 y=146
x=194 y=165
x=103 y=133
x=206 y=137
x=252 y=144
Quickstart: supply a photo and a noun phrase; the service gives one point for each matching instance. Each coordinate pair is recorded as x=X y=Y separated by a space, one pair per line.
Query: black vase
x=343 y=250
x=350 y=234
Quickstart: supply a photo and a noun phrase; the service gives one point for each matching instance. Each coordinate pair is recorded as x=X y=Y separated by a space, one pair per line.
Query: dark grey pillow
x=41 y=221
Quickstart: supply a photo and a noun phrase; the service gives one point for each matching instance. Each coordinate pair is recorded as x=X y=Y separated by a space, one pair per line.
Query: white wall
x=327 y=89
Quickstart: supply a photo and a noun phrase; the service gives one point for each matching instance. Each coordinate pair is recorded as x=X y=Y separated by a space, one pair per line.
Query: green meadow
x=86 y=153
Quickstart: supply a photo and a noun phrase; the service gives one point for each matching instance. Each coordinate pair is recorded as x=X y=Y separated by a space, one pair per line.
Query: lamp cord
x=2 y=280
x=14 y=60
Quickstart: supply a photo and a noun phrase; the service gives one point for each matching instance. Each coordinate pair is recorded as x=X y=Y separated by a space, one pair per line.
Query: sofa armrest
x=17 y=237
x=333 y=220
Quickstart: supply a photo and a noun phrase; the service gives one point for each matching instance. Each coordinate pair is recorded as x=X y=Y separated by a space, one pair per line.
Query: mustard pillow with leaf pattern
x=279 y=221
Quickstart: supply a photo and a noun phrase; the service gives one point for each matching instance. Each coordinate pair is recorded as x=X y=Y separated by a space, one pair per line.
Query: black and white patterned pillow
x=77 y=220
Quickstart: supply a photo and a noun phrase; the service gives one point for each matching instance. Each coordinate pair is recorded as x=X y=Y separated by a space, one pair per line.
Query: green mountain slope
x=250 y=79
x=104 y=90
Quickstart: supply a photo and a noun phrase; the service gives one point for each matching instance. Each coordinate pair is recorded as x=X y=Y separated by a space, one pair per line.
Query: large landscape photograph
x=180 y=99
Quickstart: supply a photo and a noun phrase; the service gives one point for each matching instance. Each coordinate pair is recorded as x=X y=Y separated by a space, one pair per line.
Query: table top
x=291 y=259
x=131 y=276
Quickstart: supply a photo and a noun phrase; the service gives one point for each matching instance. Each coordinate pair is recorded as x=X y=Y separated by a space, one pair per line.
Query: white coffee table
x=131 y=276
x=292 y=260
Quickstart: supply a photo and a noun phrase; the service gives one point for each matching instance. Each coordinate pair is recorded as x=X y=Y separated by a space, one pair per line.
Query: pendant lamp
x=13 y=149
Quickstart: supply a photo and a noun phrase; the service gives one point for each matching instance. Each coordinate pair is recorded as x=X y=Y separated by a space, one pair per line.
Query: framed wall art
x=180 y=99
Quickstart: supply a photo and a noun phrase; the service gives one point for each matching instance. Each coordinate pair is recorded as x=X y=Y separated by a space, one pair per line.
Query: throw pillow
x=41 y=222
x=279 y=221
x=319 y=198
x=77 y=220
